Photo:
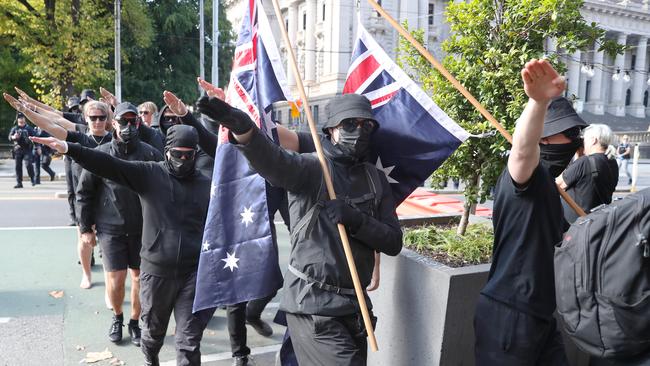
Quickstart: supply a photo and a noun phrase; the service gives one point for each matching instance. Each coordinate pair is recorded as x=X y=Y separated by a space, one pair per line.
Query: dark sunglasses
x=171 y=120
x=143 y=112
x=351 y=125
x=101 y=118
x=126 y=121
x=180 y=154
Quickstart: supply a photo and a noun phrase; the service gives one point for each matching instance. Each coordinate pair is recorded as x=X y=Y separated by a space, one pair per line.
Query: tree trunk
x=469 y=207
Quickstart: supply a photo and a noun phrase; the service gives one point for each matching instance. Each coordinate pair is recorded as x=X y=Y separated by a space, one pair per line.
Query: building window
x=587 y=90
x=628 y=97
x=315 y=113
x=323 y=11
x=286 y=24
x=432 y=8
x=304 y=21
x=378 y=2
x=645 y=99
x=633 y=63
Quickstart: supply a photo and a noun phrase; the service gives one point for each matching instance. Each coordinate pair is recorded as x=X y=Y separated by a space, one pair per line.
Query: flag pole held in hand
x=328 y=181
x=438 y=66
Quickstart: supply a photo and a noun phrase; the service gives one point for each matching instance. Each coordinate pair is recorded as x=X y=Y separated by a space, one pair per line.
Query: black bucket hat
x=560 y=116
x=345 y=106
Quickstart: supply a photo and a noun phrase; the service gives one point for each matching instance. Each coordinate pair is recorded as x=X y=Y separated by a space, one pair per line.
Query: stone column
x=637 y=109
x=292 y=17
x=574 y=74
x=310 y=42
x=617 y=103
x=551 y=46
x=596 y=105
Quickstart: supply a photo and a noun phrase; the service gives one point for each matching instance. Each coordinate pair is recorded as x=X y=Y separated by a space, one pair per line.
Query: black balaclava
x=556 y=157
x=128 y=138
x=354 y=145
x=560 y=117
x=180 y=136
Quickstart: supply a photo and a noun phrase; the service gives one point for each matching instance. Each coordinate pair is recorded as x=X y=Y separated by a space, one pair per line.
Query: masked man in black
x=322 y=310
x=22 y=149
x=514 y=323
x=174 y=206
x=115 y=212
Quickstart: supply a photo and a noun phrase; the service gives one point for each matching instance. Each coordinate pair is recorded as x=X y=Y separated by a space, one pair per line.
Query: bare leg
x=84 y=251
x=135 y=293
x=115 y=289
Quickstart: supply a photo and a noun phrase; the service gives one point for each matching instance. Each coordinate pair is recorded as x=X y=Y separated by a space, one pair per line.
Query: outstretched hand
x=175 y=104
x=14 y=103
x=232 y=118
x=541 y=82
x=211 y=90
x=51 y=142
x=109 y=97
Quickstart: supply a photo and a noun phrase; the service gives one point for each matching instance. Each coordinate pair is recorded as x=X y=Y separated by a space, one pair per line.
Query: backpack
x=602 y=278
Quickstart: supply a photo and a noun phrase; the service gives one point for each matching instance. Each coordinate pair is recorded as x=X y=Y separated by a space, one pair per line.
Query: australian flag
x=415 y=136
x=239 y=259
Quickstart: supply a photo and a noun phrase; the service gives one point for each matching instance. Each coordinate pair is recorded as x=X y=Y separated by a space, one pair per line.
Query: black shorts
x=120 y=252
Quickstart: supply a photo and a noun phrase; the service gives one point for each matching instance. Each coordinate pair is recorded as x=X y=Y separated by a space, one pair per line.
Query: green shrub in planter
x=445 y=246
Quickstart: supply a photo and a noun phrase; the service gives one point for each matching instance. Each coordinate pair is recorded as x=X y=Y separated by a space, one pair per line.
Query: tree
x=68 y=42
x=490 y=42
x=172 y=62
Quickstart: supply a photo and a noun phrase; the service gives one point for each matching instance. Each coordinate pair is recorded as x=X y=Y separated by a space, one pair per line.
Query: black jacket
x=152 y=137
x=173 y=209
x=316 y=248
x=111 y=207
x=23 y=141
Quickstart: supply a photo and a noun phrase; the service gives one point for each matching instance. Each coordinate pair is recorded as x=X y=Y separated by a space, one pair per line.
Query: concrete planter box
x=426 y=313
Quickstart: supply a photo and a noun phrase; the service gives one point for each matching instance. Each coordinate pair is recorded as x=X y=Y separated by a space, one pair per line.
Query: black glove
x=342 y=213
x=232 y=118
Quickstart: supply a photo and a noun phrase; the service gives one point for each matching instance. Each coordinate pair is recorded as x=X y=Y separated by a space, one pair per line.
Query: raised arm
x=38 y=119
x=31 y=100
x=208 y=141
x=136 y=175
x=541 y=83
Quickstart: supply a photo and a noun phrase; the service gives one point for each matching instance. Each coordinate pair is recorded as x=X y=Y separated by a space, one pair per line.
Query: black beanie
x=181 y=136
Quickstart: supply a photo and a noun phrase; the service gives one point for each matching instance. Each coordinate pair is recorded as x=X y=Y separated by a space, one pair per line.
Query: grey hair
x=95 y=104
x=601 y=132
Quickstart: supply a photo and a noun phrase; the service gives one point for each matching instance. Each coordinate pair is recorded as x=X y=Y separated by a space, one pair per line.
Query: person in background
x=147 y=111
x=623 y=153
x=42 y=157
x=22 y=149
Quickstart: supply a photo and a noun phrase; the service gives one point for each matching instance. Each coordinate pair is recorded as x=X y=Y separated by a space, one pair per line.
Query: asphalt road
x=39 y=256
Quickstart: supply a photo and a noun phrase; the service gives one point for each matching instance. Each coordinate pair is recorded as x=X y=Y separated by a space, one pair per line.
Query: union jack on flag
x=239 y=258
x=415 y=136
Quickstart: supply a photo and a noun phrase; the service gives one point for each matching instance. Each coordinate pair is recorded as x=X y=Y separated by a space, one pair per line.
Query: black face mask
x=167 y=121
x=128 y=133
x=355 y=144
x=556 y=157
x=178 y=167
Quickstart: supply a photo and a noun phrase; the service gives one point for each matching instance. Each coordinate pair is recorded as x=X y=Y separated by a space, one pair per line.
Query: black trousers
x=23 y=156
x=326 y=341
x=237 y=315
x=69 y=180
x=506 y=336
x=158 y=297
x=44 y=162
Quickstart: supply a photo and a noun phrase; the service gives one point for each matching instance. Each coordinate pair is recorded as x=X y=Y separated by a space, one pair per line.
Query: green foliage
x=475 y=247
x=13 y=72
x=490 y=42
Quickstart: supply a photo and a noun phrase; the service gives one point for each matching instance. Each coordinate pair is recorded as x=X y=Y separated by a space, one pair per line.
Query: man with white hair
x=592 y=178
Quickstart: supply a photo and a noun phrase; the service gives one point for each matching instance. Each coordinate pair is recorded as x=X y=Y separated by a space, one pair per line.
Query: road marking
x=4 y=320
x=29 y=198
x=37 y=228
x=228 y=355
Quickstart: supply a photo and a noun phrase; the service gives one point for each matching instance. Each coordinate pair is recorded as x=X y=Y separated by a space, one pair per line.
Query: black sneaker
x=150 y=360
x=18 y=186
x=115 y=332
x=240 y=361
x=134 y=332
x=260 y=327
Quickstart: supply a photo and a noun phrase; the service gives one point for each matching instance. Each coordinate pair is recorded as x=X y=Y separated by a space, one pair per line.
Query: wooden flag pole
x=438 y=66
x=328 y=181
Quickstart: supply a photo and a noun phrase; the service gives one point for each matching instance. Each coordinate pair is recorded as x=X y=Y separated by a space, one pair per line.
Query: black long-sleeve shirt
x=173 y=209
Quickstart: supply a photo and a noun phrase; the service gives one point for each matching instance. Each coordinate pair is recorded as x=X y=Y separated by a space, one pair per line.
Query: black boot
x=115 y=332
x=134 y=332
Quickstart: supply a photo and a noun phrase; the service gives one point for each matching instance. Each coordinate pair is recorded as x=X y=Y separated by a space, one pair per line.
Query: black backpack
x=602 y=278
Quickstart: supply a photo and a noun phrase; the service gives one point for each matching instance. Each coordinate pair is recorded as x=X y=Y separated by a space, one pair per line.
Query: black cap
x=72 y=103
x=560 y=116
x=345 y=106
x=86 y=95
x=20 y=115
x=181 y=136
x=123 y=108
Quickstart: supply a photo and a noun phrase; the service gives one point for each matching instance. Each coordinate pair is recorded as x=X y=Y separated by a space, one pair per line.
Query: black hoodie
x=173 y=209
